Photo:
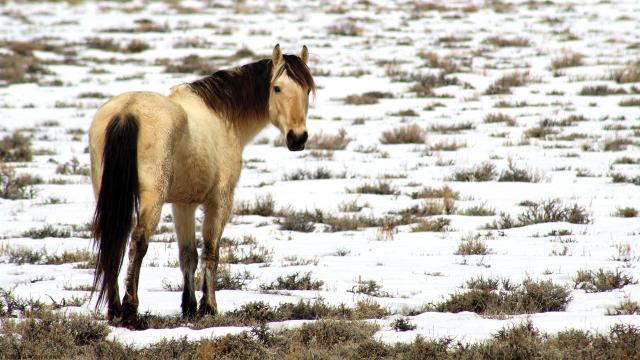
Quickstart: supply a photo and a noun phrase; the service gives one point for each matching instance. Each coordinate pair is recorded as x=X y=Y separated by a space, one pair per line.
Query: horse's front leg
x=150 y=208
x=215 y=218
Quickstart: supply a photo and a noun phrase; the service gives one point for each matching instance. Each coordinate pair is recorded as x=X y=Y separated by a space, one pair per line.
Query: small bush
x=499 y=118
x=479 y=210
x=14 y=187
x=294 y=281
x=618 y=144
x=543 y=212
x=626 y=307
x=438 y=224
x=15 y=147
x=485 y=171
x=507 y=42
x=322 y=141
x=46 y=231
x=408 y=134
x=262 y=205
x=402 y=324
x=472 y=245
x=601 y=280
x=630 y=102
x=369 y=287
x=626 y=212
x=526 y=298
x=567 y=60
x=191 y=64
x=504 y=84
x=367 y=98
x=630 y=74
x=600 y=90
x=515 y=174
x=380 y=188
x=451 y=128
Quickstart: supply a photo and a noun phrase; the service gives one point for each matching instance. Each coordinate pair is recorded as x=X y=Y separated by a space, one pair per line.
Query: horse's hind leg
x=150 y=208
x=184 y=219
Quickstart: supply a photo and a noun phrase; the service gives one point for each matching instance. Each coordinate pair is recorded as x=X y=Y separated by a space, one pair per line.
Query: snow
x=404 y=265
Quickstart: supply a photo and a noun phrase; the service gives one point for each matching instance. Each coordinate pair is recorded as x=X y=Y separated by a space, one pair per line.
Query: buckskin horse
x=148 y=149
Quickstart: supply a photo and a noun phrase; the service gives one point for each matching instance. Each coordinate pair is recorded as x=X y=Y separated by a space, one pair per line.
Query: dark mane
x=242 y=93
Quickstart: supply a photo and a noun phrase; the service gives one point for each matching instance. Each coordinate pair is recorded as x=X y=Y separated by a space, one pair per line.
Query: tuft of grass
x=408 y=134
x=379 y=188
x=527 y=298
x=626 y=307
x=479 y=210
x=369 y=287
x=626 y=212
x=618 y=144
x=545 y=211
x=630 y=74
x=630 y=102
x=507 y=42
x=451 y=128
x=515 y=174
x=15 y=147
x=14 y=187
x=493 y=118
x=322 y=141
x=472 y=245
x=402 y=324
x=485 y=171
x=262 y=205
x=439 y=224
x=601 y=280
x=295 y=281
x=600 y=90
x=367 y=98
x=569 y=59
x=504 y=84
x=46 y=231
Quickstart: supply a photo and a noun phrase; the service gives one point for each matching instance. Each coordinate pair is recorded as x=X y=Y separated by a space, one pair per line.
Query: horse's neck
x=243 y=132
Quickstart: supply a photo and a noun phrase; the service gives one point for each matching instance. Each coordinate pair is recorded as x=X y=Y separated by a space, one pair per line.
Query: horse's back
x=160 y=123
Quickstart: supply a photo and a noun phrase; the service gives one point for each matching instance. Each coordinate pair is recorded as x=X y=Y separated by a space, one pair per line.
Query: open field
x=471 y=167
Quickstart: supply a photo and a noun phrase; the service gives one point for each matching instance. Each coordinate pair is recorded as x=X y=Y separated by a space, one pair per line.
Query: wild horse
x=148 y=149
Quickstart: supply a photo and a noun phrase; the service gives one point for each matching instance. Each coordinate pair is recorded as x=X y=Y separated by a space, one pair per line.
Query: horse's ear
x=304 y=54
x=276 y=56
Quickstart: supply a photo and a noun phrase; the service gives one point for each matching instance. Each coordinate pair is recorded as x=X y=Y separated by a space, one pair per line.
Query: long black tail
x=117 y=202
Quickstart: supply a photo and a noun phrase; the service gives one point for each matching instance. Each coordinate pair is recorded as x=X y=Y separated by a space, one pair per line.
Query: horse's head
x=291 y=84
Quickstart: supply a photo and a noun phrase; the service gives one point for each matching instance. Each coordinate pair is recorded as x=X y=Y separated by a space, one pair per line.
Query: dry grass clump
x=504 y=84
x=630 y=102
x=378 y=188
x=323 y=141
x=600 y=90
x=447 y=145
x=295 y=281
x=447 y=64
x=369 y=287
x=499 y=118
x=367 y=98
x=452 y=128
x=16 y=69
x=319 y=173
x=545 y=211
x=346 y=28
x=569 y=59
x=626 y=212
x=261 y=205
x=485 y=171
x=15 y=147
x=190 y=64
x=618 y=144
x=601 y=280
x=500 y=297
x=14 y=187
x=407 y=134
x=626 y=307
x=514 y=174
x=507 y=42
x=425 y=83
x=630 y=74
x=472 y=245
x=439 y=224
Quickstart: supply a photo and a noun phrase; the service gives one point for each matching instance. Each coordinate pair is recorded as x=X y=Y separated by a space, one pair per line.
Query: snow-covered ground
x=413 y=268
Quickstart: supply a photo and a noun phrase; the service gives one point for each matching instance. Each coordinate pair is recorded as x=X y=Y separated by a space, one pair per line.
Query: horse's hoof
x=189 y=311
x=206 y=309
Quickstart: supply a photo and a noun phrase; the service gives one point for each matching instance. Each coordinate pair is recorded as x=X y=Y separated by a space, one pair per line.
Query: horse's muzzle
x=295 y=142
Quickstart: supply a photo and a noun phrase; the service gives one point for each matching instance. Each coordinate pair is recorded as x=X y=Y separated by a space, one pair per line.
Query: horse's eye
x=276 y=89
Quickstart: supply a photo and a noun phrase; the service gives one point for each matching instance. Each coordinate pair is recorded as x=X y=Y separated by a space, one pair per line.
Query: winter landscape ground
x=473 y=166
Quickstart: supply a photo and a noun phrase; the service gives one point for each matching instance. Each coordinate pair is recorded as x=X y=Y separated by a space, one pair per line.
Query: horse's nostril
x=290 y=135
x=304 y=137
